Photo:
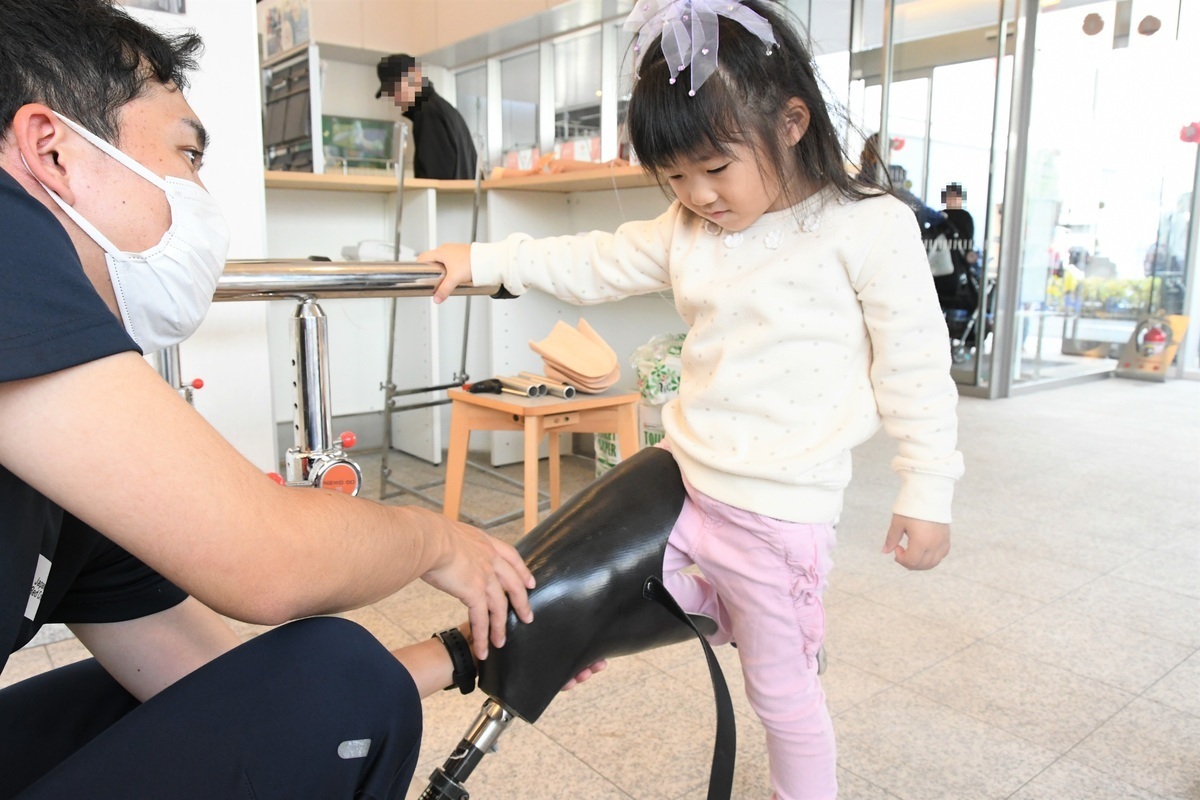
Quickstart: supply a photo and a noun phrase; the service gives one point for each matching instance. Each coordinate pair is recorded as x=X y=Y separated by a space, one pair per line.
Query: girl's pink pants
x=762 y=582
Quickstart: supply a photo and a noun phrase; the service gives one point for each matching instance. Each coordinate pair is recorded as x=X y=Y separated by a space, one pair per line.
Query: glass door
x=1108 y=184
x=944 y=74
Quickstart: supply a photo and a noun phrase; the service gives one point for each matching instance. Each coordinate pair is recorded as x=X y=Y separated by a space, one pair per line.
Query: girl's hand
x=456 y=258
x=927 y=542
x=588 y=672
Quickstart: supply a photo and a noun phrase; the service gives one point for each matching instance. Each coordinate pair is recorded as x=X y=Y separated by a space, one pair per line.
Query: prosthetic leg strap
x=720 y=778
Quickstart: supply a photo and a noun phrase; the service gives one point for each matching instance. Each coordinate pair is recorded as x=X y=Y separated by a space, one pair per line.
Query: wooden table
x=611 y=412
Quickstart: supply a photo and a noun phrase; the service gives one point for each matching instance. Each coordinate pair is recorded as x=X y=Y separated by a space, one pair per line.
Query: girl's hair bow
x=689 y=32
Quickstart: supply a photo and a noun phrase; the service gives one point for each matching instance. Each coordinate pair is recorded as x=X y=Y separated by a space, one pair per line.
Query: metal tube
x=314 y=419
x=401 y=147
x=554 y=388
x=166 y=361
x=446 y=782
x=520 y=385
x=300 y=279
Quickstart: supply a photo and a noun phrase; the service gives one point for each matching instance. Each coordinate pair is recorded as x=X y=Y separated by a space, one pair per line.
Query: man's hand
x=486 y=575
x=456 y=258
x=927 y=542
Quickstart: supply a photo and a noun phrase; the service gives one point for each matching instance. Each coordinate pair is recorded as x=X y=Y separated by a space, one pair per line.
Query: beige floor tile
x=751 y=780
x=1069 y=780
x=1142 y=608
x=846 y=685
x=530 y=766
x=421 y=610
x=695 y=674
x=1091 y=647
x=887 y=643
x=25 y=664
x=1016 y=573
x=669 y=658
x=1072 y=543
x=1180 y=688
x=388 y=633
x=67 y=651
x=246 y=630
x=1046 y=705
x=1173 y=567
x=1149 y=745
x=53 y=632
x=916 y=748
x=960 y=604
x=622 y=676
x=854 y=787
x=655 y=742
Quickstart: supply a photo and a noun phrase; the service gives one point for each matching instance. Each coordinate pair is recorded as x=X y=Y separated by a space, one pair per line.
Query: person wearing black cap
x=443 y=142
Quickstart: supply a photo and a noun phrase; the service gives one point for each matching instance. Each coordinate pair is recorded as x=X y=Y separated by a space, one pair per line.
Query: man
x=896 y=182
x=125 y=516
x=443 y=142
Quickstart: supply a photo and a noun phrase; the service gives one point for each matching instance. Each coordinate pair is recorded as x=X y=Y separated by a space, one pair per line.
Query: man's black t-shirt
x=53 y=567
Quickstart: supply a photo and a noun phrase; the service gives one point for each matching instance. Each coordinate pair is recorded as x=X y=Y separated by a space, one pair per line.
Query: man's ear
x=795 y=120
x=49 y=149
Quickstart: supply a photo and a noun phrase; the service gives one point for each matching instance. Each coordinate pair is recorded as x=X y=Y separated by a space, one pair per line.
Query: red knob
x=197 y=384
x=275 y=476
x=349 y=439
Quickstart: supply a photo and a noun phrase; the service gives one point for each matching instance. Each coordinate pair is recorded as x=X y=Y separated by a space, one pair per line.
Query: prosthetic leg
x=598 y=564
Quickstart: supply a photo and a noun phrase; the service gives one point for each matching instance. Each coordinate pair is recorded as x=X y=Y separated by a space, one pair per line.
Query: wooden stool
x=593 y=413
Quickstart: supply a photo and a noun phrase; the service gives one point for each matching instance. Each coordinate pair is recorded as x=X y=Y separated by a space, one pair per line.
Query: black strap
x=720 y=777
x=461 y=660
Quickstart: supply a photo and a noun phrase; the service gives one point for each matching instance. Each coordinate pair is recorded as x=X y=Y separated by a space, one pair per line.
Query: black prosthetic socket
x=591 y=559
x=598 y=562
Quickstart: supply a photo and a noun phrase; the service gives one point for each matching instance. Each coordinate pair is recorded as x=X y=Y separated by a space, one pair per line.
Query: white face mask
x=164 y=292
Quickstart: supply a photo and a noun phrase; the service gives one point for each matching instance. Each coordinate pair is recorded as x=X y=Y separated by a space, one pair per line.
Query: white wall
x=230 y=350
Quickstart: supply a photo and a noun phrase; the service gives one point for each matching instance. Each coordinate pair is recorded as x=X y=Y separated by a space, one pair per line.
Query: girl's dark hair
x=743 y=102
x=85 y=59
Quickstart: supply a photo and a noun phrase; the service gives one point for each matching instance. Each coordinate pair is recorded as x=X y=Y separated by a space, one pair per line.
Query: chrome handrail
x=304 y=279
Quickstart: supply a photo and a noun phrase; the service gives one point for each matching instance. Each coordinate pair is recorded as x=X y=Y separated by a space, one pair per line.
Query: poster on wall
x=283 y=25
x=167 y=6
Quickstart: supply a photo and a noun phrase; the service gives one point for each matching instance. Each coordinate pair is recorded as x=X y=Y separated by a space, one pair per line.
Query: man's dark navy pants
x=312 y=709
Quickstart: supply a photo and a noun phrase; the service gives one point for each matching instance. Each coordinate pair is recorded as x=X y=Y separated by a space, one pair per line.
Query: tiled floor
x=1055 y=655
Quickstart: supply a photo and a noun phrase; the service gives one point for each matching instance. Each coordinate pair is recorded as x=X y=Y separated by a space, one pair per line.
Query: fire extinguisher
x=1154 y=341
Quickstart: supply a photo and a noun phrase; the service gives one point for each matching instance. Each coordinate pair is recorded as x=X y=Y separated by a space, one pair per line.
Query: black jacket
x=443 y=142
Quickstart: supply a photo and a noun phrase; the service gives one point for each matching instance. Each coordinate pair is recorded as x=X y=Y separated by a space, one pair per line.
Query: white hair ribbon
x=689 y=32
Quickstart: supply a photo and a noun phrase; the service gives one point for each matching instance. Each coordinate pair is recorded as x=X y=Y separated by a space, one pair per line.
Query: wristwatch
x=461 y=659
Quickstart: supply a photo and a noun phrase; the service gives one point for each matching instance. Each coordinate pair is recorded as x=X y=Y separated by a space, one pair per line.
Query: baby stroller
x=959 y=292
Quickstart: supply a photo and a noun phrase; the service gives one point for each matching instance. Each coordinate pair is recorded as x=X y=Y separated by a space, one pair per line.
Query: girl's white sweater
x=806 y=331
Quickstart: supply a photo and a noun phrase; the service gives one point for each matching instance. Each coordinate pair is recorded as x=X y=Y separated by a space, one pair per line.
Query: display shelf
x=589 y=181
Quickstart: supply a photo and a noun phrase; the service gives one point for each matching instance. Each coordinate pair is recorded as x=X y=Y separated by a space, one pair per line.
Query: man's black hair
x=85 y=59
x=743 y=102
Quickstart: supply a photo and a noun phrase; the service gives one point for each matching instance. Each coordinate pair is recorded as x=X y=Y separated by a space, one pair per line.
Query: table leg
x=627 y=430
x=533 y=436
x=456 y=459
x=555 y=471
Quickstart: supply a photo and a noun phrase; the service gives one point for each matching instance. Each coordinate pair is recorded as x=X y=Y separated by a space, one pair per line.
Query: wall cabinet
x=379 y=27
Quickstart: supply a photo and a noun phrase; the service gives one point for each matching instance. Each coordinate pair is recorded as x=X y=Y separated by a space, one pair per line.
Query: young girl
x=812 y=318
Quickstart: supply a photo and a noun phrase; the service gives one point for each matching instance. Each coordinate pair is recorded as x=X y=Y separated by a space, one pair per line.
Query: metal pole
x=1013 y=224
x=885 y=94
x=985 y=251
x=1189 y=272
x=389 y=384
x=166 y=361
x=314 y=418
